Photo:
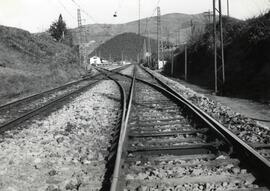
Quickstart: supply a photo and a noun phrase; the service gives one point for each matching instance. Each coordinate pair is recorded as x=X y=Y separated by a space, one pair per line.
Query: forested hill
x=128 y=43
x=247 y=58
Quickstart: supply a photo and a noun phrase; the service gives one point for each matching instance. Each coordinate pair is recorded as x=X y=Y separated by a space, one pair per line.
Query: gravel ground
x=111 y=67
x=252 y=109
x=65 y=150
x=141 y=74
x=93 y=71
x=128 y=70
x=242 y=126
x=14 y=111
x=220 y=172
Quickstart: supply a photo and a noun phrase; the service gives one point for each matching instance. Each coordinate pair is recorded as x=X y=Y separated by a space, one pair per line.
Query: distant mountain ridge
x=97 y=34
x=126 y=45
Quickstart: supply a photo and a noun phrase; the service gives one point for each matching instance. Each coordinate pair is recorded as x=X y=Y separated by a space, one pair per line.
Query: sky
x=37 y=15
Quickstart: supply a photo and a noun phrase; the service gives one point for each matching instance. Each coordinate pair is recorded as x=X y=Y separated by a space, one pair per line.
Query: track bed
x=169 y=147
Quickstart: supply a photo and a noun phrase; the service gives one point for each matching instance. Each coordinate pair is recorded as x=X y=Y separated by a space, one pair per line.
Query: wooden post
x=215 y=45
x=228 y=8
x=172 y=64
x=221 y=43
x=186 y=62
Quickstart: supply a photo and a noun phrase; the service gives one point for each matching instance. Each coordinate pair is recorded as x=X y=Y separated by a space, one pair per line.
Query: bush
x=247 y=59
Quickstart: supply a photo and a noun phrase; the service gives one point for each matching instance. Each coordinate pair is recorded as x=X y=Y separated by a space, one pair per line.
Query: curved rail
x=12 y=123
x=122 y=139
x=41 y=93
x=261 y=166
x=37 y=95
x=35 y=111
x=117 y=135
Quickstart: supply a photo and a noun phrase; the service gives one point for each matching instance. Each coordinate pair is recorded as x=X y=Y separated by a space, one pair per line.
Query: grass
x=31 y=63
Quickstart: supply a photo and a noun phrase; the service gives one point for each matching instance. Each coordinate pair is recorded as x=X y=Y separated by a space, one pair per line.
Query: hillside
x=99 y=33
x=30 y=63
x=127 y=43
x=247 y=61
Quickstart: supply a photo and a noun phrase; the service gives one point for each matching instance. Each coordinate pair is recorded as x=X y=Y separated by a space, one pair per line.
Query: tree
x=58 y=29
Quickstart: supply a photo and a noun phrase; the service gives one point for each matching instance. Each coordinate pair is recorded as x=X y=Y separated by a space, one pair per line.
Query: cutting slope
x=247 y=59
x=30 y=63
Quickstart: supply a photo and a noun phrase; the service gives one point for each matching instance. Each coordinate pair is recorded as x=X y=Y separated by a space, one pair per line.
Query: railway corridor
x=168 y=150
x=127 y=130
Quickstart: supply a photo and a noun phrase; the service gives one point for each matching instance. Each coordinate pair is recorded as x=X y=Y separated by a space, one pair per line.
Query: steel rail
x=172 y=94
x=10 y=124
x=261 y=166
x=122 y=126
x=41 y=94
x=37 y=95
x=115 y=184
x=122 y=139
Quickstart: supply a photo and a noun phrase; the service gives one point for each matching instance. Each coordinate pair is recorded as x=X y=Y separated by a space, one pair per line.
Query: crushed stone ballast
x=65 y=150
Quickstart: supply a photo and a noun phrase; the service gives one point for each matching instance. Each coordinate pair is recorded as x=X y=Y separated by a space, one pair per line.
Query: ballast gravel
x=243 y=127
x=128 y=70
x=65 y=150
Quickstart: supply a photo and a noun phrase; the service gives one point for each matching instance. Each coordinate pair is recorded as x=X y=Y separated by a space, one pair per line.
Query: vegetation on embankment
x=247 y=58
x=31 y=63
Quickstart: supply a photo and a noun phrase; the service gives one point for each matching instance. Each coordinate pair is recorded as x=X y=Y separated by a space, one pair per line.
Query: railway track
x=18 y=111
x=72 y=141
x=255 y=137
x=169 y=144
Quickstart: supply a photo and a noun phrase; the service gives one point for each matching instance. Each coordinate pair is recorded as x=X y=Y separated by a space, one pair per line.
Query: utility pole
x=80 y=26
x=221 y=41
x=186 y=61
x=218 y=51
x=172 y=63
x=228 y=8
x=148 y=48
x=179 y=36
x=139 y=29
x=215 y=44
x=207 y=16
x=139 y=21
x=168 y=35
x=144 y=50
x=192 y=28
x=122 y=57
x=79 y=18
x=161 y=51
x=80 y=38
x=158 y=34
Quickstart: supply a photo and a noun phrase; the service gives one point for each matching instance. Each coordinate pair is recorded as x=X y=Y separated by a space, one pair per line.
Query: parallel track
x=18 y=111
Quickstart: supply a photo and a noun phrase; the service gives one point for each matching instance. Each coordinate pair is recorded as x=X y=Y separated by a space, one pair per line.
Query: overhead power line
x=91 y=17
x=62 y=5
x=120 y=3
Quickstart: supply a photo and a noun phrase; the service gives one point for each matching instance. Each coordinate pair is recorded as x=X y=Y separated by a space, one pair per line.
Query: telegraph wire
x=59 y=1
x=148 y=18
x=120 y=3
x=91 y=17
